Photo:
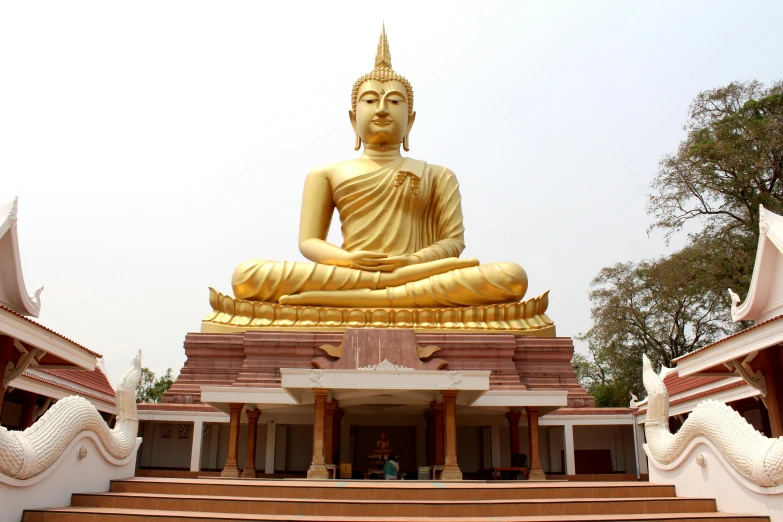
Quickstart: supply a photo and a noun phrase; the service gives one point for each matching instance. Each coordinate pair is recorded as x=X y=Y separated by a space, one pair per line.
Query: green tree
x=150 y=389
x=730 y=162
x=664 y=308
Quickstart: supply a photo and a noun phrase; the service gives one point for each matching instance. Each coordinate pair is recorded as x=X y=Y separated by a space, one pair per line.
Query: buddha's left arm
x=448 y=232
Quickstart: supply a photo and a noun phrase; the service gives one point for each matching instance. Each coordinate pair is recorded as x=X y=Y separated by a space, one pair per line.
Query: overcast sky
x=155 y=145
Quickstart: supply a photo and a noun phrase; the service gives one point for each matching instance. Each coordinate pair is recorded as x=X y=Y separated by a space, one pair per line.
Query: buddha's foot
x=232 y=315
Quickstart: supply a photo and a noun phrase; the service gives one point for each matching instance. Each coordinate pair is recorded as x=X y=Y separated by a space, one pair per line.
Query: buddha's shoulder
x=441 y=173
x=339 y=168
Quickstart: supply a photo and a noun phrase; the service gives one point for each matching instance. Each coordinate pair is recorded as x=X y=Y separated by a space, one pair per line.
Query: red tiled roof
x=704 y=393
x=741 y=332
x=73 y=390
x=676 y=384
x=171 y=406
x=39 y=325
x=95 y=380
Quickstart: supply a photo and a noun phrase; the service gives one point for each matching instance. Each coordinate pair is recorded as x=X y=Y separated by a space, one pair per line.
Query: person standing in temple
x=391 y=468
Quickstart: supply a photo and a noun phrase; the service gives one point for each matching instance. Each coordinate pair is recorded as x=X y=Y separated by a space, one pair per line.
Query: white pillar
x=486 y=446
x=641 y=456
x=269 y=459
x=214 y=439
x=570 y=464
x=345 y=442
x=280 y=447
x=148 y=444
x=195 y=448
x=421 y=443
x=495 y=432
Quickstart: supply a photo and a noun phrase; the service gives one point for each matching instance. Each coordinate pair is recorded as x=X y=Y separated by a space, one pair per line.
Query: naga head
x=130 y=380
x=657 y=396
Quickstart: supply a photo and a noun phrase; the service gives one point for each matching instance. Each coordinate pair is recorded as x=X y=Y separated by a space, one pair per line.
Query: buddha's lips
x=382 y=123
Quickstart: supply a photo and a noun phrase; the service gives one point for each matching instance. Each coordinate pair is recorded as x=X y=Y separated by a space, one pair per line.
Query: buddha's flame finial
x=383 y=56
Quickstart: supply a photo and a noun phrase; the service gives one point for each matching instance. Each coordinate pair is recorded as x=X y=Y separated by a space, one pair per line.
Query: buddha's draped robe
x=404 y=208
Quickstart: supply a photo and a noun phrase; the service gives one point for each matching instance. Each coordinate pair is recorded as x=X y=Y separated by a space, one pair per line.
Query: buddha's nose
x=383 y=109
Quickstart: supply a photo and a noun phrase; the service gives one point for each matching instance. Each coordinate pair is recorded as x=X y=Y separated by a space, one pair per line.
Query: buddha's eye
x=370 y=100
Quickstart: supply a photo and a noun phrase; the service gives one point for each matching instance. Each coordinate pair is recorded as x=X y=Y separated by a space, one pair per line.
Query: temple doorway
x=368 y=443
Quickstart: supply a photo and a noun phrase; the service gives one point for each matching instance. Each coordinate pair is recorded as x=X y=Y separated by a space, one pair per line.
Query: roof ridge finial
x=383 y=56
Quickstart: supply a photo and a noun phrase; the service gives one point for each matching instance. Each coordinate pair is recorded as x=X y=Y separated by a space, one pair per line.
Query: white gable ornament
x=13 y=292
x=765 y=298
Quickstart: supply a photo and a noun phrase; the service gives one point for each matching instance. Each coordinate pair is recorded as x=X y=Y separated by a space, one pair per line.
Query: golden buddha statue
x=382 y=448
x=401 y=222
x=402 y=237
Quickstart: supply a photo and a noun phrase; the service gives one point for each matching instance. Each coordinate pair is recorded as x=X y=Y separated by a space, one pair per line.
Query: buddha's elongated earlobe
x=406 y=143
x=358 y=143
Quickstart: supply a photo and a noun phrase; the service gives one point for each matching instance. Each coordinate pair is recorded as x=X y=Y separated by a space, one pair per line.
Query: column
x=346 y=448
x=421 y=443
x=570 y=462
x=195 y=447
x=329 y=411
x=6 y=352
x=536 y=472
x=494 y=431
x=231 y=470
x=147 y=444
x=317 y=468
x=437 y=415
x=271 y=436
x=250 y=455
x=214 y=440
x=336 y=432
x=281 y=448
x=28 y=409
x=451 y=467
x=641 y=455
x=772 y=368
x=429 y=417
x=513 y=423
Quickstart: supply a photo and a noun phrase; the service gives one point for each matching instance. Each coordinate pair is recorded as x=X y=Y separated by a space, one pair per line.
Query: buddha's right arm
x=315 y=218
x=314 y=221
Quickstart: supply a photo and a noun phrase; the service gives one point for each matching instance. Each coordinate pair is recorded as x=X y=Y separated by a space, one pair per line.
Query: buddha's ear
x=411 y=119
x=352 y=117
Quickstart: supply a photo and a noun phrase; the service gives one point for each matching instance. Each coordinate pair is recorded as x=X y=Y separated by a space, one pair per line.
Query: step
x=85 y=514
x=382 y=490
x=407 y=508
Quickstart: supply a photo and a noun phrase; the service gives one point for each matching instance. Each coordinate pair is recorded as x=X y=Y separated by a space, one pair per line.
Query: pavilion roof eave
x=13 y=291
x=711 y=359
x=353 y=387
x=32 y=334
x=34 y=384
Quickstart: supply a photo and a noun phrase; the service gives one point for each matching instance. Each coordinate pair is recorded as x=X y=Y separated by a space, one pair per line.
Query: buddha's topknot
x=383 y=73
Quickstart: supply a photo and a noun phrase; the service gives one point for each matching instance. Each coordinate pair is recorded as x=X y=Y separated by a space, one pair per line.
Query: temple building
x=40 y=365
x=308 y=364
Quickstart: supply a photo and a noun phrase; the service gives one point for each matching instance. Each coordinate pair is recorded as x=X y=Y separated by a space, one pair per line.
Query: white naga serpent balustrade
x=754 y=456
x=25 y=454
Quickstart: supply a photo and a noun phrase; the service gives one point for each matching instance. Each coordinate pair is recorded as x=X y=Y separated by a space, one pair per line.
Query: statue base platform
x=236 y=315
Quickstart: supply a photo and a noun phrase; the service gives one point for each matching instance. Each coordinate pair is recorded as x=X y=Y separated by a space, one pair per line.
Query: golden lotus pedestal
x=236 y=315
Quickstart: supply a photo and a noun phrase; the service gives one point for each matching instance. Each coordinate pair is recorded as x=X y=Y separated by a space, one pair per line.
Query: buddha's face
x=381 y=116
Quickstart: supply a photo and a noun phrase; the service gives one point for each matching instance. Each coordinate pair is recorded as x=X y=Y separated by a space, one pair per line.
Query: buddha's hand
x=374 y=262
x=417 y=272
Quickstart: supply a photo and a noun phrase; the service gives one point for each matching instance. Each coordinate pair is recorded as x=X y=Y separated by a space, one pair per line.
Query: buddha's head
x=382 y=103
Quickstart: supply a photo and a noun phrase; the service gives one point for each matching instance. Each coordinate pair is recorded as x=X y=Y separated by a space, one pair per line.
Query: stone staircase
x=192 y=500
